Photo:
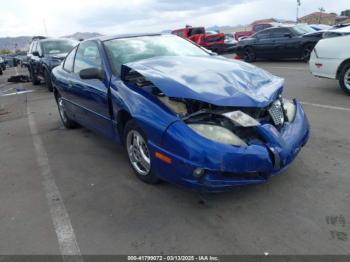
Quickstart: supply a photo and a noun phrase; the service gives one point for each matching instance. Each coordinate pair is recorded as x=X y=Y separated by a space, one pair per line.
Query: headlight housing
x=218 y=134
x=290 y=109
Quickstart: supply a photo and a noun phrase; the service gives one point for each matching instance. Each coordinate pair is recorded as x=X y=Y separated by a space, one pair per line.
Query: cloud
x=22 y=17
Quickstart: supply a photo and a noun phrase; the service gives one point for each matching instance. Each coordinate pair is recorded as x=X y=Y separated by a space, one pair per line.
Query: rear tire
x=249 y=55
x=307 y=52
x=344 y=78
x=48 y=81
x=136 y=145
x=67 y=122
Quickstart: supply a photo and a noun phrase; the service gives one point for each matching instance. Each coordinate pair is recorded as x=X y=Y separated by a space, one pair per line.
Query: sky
x=64 y=17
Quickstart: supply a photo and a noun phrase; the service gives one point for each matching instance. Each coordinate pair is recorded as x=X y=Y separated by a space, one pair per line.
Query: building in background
x=323 y=18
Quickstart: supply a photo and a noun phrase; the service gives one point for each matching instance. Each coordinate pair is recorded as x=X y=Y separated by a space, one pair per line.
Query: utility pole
x=298 y=5
x=321 y=9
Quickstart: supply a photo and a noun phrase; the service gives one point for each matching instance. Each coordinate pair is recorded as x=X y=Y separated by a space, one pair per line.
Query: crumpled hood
x=215 y=80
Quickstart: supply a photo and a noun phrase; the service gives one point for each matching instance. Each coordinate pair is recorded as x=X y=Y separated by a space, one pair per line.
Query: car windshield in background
x=58 y=46
x=126 y=50
x=302 y=29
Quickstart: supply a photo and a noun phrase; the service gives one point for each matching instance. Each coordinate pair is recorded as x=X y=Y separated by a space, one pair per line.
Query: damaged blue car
x=184 y=114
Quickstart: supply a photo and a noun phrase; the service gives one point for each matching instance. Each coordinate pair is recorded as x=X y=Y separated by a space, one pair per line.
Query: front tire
x=136 y=145
x=67 y=122
x=307 y=53
x=344 y=79
x=48 y=81
x=249 y=55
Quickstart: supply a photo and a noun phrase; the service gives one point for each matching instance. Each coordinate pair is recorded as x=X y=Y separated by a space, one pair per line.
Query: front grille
x=276 y=113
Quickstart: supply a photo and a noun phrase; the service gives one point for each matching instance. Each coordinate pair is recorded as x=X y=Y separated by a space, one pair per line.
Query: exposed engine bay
x=213 y=121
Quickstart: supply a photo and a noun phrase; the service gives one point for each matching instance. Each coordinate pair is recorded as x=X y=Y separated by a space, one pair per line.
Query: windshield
x=302 y=29
x=58 y=46
x=126 y=50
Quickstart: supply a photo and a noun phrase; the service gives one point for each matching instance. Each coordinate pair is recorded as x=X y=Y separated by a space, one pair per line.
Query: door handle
x=70 y=84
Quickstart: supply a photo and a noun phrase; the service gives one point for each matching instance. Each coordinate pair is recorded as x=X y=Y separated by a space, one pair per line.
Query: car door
x=90 y=96
x=285 y=43
x=262 y=44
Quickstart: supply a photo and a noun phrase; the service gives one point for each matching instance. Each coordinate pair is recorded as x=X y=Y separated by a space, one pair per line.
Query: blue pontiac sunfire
x=184 y=114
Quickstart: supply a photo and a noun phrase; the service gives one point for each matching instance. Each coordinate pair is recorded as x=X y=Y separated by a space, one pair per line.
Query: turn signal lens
x=163 y=157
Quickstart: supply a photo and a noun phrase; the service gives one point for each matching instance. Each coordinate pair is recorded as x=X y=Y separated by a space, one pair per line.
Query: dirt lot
x=45 y=168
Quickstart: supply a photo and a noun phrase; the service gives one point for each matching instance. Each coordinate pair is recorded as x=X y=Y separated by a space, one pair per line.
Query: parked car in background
x=230 y=43
x=319 y=27
x=341 y=25
x=287 y=42
x=213 y=41
x=337 y=32
x=331 y=59
x=2 y=64
x=184 y=115
x=44 y=54
x=255 y=28
x=21 y=59
x=333 y=32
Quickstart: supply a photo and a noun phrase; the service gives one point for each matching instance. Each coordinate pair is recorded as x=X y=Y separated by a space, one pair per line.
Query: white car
x=331 y=59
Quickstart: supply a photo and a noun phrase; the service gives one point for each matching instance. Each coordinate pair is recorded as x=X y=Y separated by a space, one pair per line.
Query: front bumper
x=228 y=166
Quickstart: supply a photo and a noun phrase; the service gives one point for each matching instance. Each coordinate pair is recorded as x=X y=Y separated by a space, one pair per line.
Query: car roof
x=107 y=38
x=56 y=39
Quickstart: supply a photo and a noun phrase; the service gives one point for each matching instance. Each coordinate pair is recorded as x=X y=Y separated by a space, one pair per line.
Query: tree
x=5 y=52
x=345 y=12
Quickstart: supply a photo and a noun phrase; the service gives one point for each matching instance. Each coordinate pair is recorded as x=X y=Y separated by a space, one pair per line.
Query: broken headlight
x=218 y=134
x=241 y=119
x=290 y=109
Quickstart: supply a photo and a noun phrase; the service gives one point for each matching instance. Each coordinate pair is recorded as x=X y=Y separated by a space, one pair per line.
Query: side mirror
x=36 y=53
x=287 y=35
x=92 y=73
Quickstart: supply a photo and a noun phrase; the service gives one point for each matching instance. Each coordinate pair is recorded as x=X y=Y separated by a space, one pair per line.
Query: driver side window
x=88 y=56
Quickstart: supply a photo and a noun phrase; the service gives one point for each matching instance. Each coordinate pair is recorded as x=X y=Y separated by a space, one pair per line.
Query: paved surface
x=111 y=212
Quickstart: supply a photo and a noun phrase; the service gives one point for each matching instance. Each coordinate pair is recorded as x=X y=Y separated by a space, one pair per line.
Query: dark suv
x=44 y=54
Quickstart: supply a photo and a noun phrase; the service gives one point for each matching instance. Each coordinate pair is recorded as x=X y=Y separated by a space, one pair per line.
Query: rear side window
x=34 y=47
x=263 y=35
x=88 y=56
x=69 y=62
x=258 y=28
x=279 y=32
x=30 y=48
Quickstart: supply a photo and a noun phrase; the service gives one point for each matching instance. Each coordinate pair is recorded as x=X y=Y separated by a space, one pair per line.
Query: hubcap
x=249 y=55
x=347 y=79
x=138 y=153
x=61 y=110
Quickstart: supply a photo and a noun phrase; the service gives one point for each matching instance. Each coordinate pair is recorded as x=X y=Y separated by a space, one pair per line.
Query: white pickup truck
x=331 y=59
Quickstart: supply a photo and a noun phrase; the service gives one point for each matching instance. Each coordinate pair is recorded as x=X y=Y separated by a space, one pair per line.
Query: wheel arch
x=122 y=118
x=341 y=66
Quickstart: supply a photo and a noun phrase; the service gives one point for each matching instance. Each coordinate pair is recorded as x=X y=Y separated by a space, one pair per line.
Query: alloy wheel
x=347 y=79
x=138 y=153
